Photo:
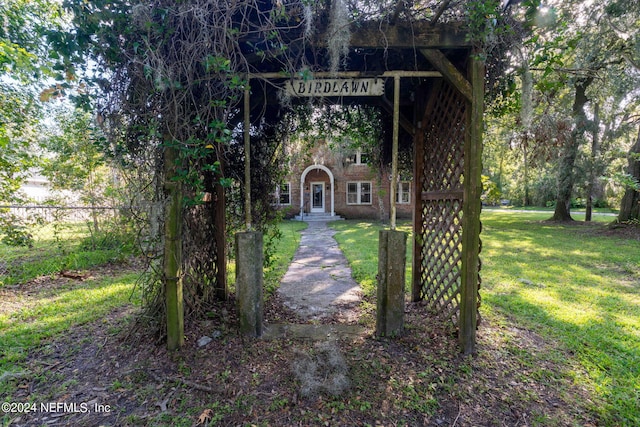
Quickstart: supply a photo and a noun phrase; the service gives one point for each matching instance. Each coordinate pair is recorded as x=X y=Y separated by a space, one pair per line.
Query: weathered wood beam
x=468 y=320
x=220 y=221
x=420 y=35
x=348 y=74
x=172 y=263
x=247 y=156
x=394 y=150
x=443 y=6
x=449 y=71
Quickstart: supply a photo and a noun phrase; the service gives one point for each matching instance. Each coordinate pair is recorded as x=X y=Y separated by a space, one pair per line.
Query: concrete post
x=249 y=282
x=392 y=259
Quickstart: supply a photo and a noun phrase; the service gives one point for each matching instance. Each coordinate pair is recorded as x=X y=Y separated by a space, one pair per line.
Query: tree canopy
x=574 y=99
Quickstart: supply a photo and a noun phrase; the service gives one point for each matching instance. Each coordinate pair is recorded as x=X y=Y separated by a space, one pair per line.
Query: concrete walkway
x=318 y=283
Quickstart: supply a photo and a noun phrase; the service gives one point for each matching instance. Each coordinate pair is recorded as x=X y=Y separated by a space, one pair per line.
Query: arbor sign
x=335 y=87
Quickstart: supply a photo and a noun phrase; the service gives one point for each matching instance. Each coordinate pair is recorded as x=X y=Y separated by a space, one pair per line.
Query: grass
x=572 y=285
x=280 y=255
x=285 y=248
x=359 y=242
x=59 y=309
x=58 y=247
x=26 y=325
x=576 y=288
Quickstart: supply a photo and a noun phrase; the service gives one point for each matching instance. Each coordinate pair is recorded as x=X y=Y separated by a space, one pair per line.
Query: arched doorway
x=317 y=198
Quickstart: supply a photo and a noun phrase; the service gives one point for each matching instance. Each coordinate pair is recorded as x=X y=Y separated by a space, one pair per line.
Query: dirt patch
x=108 y=375
x=624 y=231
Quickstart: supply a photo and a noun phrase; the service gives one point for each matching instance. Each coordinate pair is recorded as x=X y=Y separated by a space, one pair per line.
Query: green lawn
x=573 y=284
x=58 y=247
x=29 y=320
x=359 y=242
x=279 y=256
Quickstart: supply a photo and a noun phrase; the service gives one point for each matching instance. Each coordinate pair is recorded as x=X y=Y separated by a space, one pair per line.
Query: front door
x=317 y=197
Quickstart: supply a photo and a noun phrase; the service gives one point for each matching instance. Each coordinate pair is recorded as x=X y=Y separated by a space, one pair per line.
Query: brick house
x=341 y=184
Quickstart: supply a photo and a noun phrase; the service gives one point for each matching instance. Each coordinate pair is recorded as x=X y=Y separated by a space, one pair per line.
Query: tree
x=23 y=61
x=566 y=174
x=630 y=205
x=23 y=24
x=623 y=17
x=74 y=160
x=580 y=61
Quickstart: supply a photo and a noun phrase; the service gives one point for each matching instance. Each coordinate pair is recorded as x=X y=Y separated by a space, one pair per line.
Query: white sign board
x=335 y=87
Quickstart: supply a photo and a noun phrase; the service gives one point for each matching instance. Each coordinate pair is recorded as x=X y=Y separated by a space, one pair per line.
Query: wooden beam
x=419 y=35
x=220 y=221
x=347 y=74
x=172 y=262
x=468 y=320
x=449 y=71
x=247 y=155
x=394 y=149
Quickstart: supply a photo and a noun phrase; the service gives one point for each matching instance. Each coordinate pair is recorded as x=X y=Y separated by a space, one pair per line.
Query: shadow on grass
x=606 y=350
x=52 y=313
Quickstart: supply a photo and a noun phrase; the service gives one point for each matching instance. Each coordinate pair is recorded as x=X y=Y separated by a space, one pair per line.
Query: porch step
x=312 y=217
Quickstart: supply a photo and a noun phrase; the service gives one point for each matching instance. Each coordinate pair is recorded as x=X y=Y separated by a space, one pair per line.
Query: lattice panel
x=441 y=202
x=441 y=256
x=200 y=254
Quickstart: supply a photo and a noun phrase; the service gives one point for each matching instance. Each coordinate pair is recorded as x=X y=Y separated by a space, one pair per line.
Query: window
x=283 y=194
x=403 y=194
x=362 y=158
x=358 y=158
x=358 y=193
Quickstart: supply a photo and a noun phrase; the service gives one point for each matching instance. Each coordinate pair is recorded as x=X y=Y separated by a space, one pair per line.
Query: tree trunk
x=567 y=161
x=526 y=201
x=526 y=117
x=593 y=167
x=630 y=206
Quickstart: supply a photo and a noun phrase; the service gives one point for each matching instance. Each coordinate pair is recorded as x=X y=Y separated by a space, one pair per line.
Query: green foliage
x=18 y=115
x=482 y=18
x=16 y=235
x=74 y=159
x=491 y=194
x=626 y=180
x=25 y=24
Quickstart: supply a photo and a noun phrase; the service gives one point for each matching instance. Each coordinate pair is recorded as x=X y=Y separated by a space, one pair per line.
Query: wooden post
x=392 y=259
x=394 y=150
x=247 y=155
x=172 y=265
x=471 y=209
x=249 y=282
x=220 y=221
x=418 y=167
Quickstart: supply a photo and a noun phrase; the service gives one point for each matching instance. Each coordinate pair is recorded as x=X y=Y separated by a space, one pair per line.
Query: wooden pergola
x=435 y=78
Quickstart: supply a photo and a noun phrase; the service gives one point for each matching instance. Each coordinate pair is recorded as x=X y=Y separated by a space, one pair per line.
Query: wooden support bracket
x=449 y=71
